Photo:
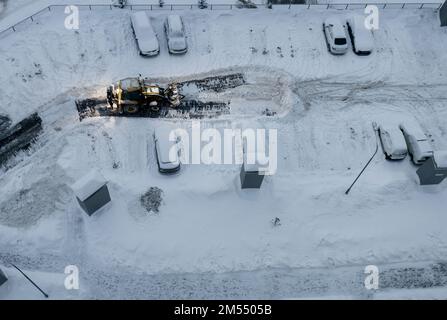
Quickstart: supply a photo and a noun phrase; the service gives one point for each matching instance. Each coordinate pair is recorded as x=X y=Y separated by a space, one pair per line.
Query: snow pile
x=152 y=199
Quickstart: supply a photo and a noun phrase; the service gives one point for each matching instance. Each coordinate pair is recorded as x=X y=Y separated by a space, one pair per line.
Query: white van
x=144 y=34
x=361 y=38
x=417 y=142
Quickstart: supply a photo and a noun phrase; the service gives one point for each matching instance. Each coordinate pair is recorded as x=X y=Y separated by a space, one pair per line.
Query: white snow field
x=210 y=239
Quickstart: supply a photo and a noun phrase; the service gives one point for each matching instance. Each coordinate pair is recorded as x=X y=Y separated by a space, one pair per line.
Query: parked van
x=417 y=143
x=361 y=38
x=144 y=34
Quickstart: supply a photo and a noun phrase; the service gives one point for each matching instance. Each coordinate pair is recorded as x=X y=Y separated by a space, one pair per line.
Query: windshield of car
x=340 y=41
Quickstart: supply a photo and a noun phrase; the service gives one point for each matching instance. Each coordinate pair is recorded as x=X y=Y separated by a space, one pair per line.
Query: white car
x=417 y=142
x=175 y=34
x=393 y=142
x=166 y=150
x=335 y=35
x=144 y=34
x=361 y=37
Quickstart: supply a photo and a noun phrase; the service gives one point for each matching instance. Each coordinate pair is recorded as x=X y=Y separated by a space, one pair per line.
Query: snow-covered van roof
x=140 y=18
x=364 y=40
x=412 y=128
x=440 y=158
x=145 y=34
x=88 y=185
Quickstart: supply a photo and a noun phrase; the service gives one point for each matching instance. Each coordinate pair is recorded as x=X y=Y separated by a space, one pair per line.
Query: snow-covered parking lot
x=323 y=107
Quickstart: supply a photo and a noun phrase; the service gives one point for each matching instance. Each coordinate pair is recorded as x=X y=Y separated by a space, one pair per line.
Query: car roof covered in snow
x=394 y=132
x=337 y=27
x=88 y=184
x=440 y=158
x=165 y=144
x=175 y=23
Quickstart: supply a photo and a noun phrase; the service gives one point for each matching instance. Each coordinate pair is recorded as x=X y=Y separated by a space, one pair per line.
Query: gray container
x=96 y=201
x=430 y=173
x=91 y=192
x=443 y=14
x=3 y=277
x=251 y=179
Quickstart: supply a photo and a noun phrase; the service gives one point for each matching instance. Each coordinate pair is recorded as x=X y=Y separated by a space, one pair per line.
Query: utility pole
x=366 y=166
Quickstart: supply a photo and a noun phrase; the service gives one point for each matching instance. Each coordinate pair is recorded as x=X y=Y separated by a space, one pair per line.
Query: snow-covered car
x=166 y=150
x=417 y=143
x=175 y=34
x=144 y=34
x=393 y=142
x=361 y=37
x=335 y=35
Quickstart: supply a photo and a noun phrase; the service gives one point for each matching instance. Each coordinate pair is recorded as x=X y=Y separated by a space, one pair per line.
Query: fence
x=170 y=7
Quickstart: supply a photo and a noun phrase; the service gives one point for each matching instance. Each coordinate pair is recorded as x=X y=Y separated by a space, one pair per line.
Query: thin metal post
x=367 y=164
x=32 y=282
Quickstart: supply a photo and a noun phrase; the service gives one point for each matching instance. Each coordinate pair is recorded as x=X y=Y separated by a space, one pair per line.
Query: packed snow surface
x=209 y=234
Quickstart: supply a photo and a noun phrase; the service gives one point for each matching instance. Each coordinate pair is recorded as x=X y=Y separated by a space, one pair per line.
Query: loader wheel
x=154 y=112
x=131 y=109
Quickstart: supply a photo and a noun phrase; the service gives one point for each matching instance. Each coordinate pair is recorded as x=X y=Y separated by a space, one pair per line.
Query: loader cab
x=130 y=89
